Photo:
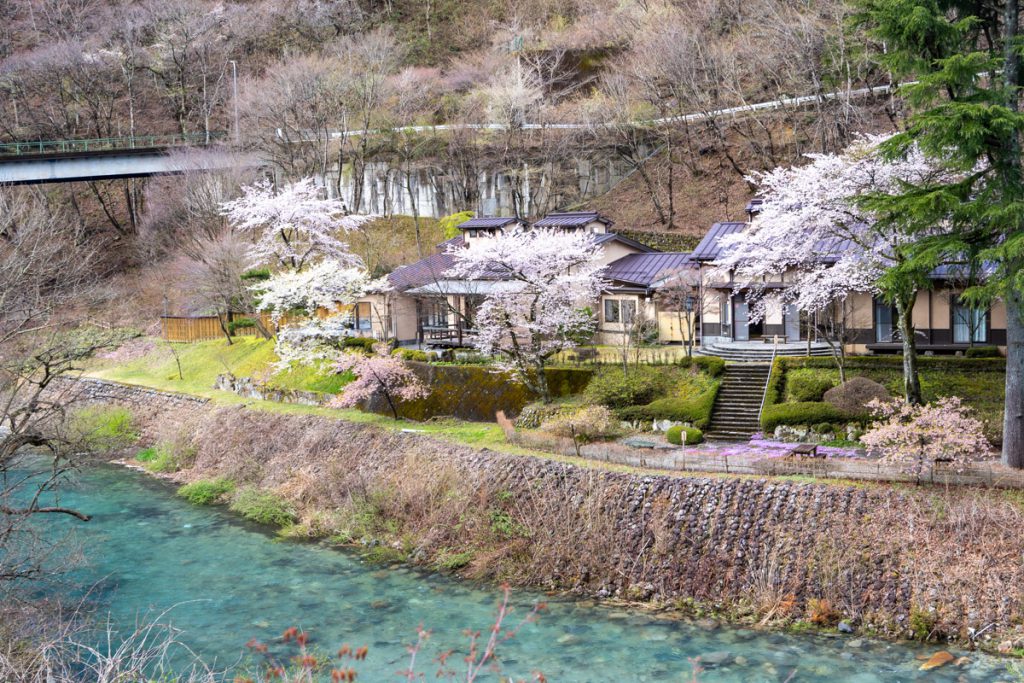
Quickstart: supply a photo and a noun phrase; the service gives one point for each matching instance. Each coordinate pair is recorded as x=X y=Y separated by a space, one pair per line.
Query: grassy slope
x=201 y=362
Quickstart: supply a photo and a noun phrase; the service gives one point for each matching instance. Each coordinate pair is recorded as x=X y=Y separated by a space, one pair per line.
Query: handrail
x=99 y=144
x=767 y=382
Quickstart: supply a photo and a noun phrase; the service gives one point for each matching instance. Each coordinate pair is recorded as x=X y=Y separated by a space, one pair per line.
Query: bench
x=809 y=450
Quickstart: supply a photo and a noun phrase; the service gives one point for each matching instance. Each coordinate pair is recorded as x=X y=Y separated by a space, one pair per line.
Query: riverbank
x=891 y=561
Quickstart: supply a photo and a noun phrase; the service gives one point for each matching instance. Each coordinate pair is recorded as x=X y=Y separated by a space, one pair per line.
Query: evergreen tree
x=965 y=112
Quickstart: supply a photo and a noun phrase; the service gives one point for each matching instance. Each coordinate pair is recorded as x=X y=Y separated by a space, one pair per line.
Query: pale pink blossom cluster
x=321 y=285
x=377 y=374
x=811 y=230
x=293 y=224
x=552 y=277
x=914 y=437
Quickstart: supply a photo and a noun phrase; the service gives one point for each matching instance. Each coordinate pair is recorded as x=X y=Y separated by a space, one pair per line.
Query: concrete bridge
x=64 y=161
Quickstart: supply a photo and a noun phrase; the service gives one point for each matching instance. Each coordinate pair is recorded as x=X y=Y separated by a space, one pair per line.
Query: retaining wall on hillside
x=749 y=546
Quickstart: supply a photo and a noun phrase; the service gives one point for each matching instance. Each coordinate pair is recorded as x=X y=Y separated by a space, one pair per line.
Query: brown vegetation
x=877 y=556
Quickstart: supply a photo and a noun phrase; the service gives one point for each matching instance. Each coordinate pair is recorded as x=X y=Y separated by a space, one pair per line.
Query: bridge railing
x=100 y=144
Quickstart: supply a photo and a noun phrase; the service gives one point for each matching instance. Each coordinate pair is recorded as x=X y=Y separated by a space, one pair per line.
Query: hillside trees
x=966 y=116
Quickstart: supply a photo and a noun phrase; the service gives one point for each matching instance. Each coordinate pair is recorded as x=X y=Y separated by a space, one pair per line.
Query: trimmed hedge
x=365 y=343
x=983 y=352
x=803 y=385
x=679 y=435
x=712 y=365
x=806 y=413
x=616 y=389
x=693 y=409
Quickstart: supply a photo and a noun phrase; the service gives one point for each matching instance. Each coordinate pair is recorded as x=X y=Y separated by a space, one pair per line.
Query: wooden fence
x=207 y=327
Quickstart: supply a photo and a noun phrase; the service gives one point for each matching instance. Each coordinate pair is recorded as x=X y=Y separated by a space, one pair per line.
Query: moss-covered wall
x=471 y=392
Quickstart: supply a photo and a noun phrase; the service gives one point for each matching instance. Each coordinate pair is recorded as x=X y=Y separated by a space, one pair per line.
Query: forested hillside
x=312 y=75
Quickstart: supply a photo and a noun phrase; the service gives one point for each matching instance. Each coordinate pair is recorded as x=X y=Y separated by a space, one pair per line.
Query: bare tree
x=681 y=293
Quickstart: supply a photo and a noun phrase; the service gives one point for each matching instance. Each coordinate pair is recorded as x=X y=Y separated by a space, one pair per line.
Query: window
x=472 y=234
x=969 y=324
x=363 y=316
x=619 y=311
x=611 y=310
x=884 y=317
x=436 y=314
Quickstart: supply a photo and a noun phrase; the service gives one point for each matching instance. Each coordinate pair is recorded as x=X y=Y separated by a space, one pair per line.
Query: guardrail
x=103 y=144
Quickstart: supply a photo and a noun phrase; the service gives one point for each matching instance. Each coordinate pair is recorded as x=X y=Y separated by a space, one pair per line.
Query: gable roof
x=645 y=269
x=616 y=237
x=487 y=222
x=571 y=219
x=709 y=248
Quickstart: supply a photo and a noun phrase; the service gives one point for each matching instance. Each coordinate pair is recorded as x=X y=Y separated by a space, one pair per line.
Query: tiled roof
x=486 y=222
x=709 y=249
x=425 y=270
x=571 y=219
x=644 y=269
x=755 y=205
x=614 y=236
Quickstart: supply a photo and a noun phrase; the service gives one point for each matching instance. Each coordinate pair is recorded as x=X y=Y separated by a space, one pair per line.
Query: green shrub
x=712 y=365
x=146 y=454
x=206 y=491
x=239 y=323
x=680 y=435
x=364 y=343
x=503 y=525
x=165 y=457
x=411 y=354
x=695 y=409
x=256 y=274
x=585 y=424
x=800 y=414
x=103 y=428
x=263 y=507
x=807 y=384
x=824 y=428
x=983 y=352
x=449 y=560
x=614 y=388
x=853 y=396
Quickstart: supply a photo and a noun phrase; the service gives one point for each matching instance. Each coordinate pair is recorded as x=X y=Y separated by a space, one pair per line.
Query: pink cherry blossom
x=377 y=374
x=552 y=278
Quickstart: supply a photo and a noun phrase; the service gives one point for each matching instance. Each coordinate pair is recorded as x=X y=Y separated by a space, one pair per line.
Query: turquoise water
x=148 y=550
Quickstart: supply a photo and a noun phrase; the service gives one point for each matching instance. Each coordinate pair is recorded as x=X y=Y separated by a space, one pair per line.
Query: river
x=227 y=581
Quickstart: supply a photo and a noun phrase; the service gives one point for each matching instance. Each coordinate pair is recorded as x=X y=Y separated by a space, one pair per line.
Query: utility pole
x=234 y=89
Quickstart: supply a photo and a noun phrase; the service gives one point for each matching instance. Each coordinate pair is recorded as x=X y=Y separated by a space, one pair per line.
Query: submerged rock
x=940 y=658
x=719 y=658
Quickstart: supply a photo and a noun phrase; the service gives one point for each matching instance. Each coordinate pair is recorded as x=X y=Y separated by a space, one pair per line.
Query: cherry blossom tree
x=541 y=285
x=813 y=232
x=377 y=374
x=913 y=436
x=294 y=225
x=323 y=285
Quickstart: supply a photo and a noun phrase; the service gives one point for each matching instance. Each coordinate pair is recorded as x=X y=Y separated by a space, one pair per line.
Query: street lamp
x=234 y=89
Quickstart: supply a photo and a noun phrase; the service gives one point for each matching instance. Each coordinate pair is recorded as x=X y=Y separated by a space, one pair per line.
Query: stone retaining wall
x=743 y=546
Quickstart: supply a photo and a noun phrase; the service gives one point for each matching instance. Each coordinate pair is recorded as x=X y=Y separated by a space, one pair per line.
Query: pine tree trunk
x=911 y=380
x=1013 y=418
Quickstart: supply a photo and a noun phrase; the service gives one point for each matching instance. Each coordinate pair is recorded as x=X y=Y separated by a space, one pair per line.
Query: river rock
x=707 y=623
x=856 y=643
x=718 y=658
x=940 y=658
x=844 y=627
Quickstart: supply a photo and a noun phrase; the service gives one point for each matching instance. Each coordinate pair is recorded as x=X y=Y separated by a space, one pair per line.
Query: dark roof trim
x=616 y=237
x=572 y=218
x=487 y=222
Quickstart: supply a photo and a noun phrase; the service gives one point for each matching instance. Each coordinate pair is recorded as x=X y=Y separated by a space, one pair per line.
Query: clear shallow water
x=149 y=550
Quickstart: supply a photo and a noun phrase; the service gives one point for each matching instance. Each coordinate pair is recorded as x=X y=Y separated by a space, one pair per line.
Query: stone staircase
x=761 y=352
x=735 y=414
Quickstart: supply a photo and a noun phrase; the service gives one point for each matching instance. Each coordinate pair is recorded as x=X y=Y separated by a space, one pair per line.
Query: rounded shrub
x=411 y=354
x=807 y=384
x=851 y=398
x=983 y=352
x=680 y=435
x=614 y=388
x=824 y=428
x=674 y=435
